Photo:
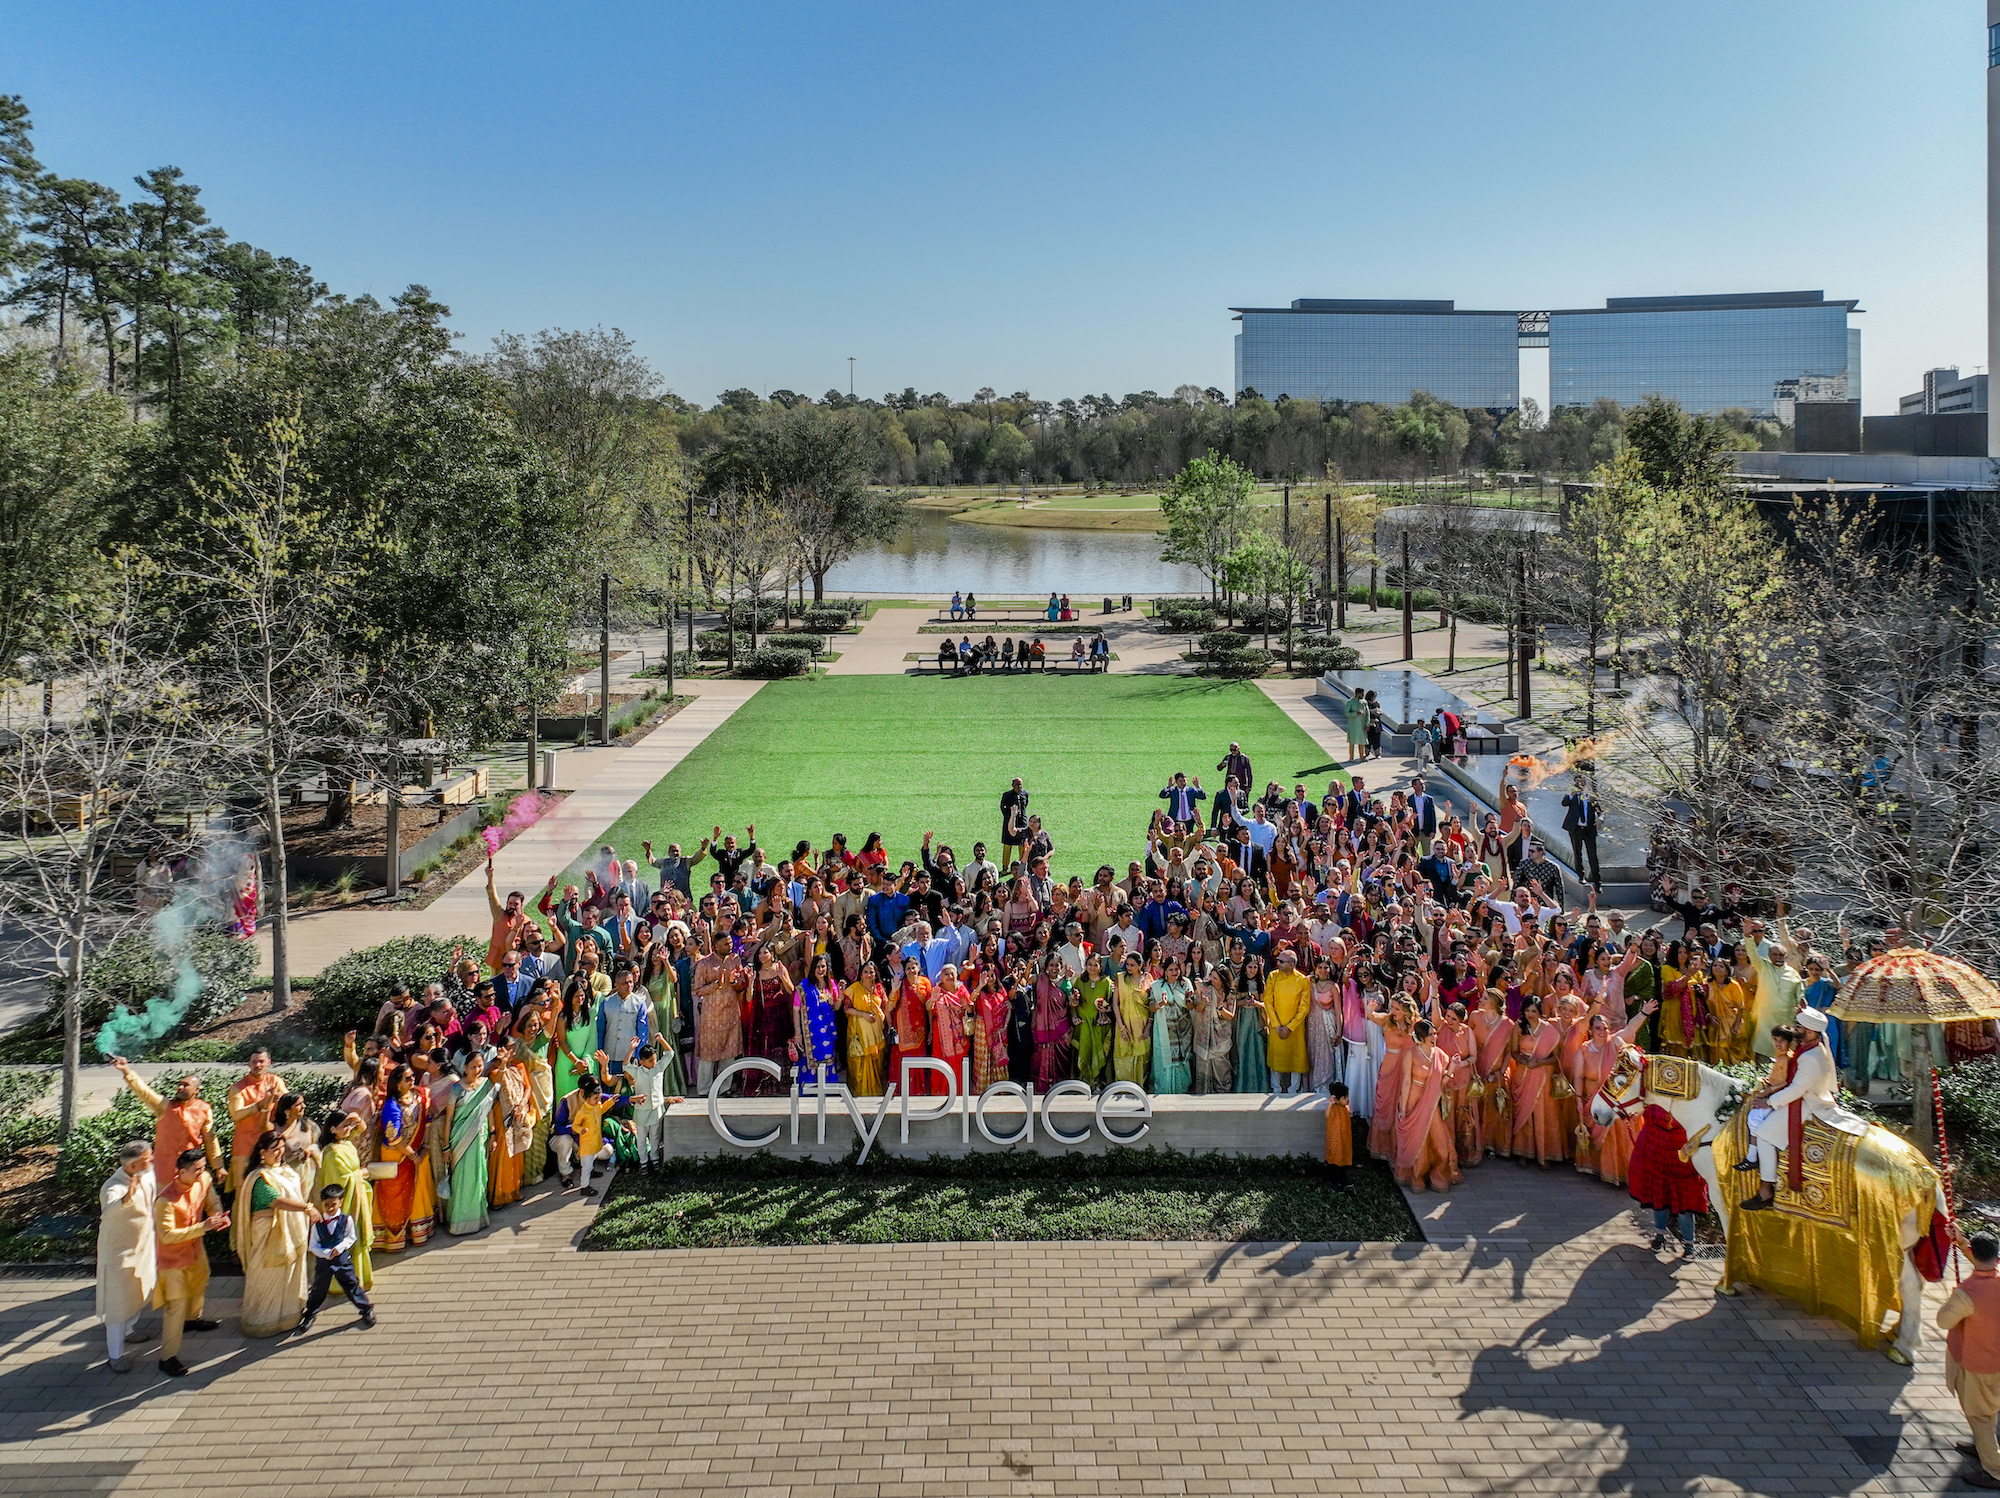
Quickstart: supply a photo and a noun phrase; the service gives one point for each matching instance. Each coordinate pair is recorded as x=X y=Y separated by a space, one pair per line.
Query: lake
x=935 y=555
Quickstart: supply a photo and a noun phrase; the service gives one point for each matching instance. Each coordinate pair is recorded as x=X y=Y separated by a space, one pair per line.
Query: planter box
x=370 y=868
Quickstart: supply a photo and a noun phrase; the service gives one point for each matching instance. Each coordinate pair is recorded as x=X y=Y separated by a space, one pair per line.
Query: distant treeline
x=1147 y=437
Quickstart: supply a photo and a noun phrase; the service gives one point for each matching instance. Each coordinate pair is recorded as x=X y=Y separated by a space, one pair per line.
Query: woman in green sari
x=576 y=1028
x=340 y=1165
x=665 y=994
x=1092 y=996
x=471 y=1108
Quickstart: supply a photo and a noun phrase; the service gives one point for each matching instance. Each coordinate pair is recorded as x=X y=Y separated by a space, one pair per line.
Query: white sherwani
x=127 y=1258
x=1815 y=1085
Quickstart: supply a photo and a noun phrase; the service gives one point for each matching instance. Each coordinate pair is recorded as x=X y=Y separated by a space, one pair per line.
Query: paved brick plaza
x=1555 y=1355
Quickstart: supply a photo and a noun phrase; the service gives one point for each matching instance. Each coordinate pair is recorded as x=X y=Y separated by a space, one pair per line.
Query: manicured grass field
x=1138 y=1195
x=902 y=754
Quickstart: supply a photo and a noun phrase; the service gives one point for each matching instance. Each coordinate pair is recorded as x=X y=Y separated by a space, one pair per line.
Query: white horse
x=1697 y=1115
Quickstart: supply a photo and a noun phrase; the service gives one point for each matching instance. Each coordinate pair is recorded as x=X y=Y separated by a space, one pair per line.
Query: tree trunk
x=72 y=1019
x=819 y=583
x=276 y=894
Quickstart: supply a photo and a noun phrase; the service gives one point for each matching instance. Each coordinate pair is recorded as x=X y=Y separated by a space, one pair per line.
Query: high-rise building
x=1993 y=214
x=1382 y=351
x=1758 y=351
x=1707 y=352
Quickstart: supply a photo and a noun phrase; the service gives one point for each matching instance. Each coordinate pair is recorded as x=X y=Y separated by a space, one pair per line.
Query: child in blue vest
x=330 y=1241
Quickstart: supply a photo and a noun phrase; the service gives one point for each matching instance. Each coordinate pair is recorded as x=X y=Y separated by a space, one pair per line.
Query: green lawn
x=1126 y=1195
x=900 y=754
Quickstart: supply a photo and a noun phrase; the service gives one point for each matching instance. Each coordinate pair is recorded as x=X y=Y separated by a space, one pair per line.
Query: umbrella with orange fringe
x=1911 y=986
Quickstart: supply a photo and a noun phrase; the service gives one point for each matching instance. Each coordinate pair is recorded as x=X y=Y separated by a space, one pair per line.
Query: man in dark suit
x=1234 y=765
x=1425 y=806
x=1581 y=818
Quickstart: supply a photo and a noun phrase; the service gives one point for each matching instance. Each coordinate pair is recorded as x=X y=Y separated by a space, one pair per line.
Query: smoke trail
x=171 y=931
x=522 y=813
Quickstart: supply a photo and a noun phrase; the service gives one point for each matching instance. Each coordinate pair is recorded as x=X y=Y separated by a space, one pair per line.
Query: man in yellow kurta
x=186 y=1210
x=126 y=1248
x=1287 y=1001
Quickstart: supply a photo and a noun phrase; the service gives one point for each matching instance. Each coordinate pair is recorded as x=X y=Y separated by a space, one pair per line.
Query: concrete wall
x=1231 y=1124
x=1867 y=468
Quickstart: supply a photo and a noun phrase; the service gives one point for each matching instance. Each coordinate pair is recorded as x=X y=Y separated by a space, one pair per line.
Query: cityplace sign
x=1118 y=1106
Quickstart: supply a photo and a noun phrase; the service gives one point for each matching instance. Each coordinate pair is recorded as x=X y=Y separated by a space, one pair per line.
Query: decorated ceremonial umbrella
x=1911 y=986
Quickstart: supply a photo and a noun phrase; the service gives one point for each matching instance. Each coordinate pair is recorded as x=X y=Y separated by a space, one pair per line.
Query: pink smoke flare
x=522 y=813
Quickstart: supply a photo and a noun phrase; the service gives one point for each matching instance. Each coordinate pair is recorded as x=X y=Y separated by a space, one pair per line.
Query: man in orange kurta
x=250 y=1103
x=187 y=1208
x=185 y=1123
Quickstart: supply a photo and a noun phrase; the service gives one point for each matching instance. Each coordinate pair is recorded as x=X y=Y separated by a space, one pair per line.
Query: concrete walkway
x=1533 y=1346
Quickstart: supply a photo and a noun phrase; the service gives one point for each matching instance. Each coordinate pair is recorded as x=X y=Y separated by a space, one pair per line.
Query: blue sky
x=1057 y=198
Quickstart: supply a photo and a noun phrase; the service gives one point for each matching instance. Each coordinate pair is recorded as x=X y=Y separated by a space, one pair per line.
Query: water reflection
x=936 y=554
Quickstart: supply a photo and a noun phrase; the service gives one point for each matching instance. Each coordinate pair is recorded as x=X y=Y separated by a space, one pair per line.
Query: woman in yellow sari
x=340 y=1165
x=513 y=1130
x=867 y=1005
x=1728 y=1015
x=1132 y=1042
x=270 y=1240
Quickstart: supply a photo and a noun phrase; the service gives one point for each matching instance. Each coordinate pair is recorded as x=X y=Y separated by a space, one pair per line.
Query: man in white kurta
x=127 y=1248
x=1815 y=1087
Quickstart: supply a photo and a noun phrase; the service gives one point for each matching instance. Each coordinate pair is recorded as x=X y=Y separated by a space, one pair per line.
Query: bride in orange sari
x=1493 y=1033
x=405 y=1201
x=1395 y=1022
x=1426 y=1157
x=1537 y=1121
x=1455 y=1039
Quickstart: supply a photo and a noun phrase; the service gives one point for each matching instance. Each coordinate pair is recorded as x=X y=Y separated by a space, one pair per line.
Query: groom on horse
x=1807 y=1086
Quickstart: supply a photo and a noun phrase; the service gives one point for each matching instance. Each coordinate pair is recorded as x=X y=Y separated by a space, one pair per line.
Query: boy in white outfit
x=646 y=1070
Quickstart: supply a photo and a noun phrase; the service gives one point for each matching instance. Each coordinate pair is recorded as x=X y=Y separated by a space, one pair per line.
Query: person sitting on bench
x=947 y=655
x=1100 y=654
x=1007 y=654
x=1077 y=650
x=1038 y=654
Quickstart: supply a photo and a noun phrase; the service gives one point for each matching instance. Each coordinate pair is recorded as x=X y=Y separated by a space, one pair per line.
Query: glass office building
x=1383 y=351
x=1707 y=352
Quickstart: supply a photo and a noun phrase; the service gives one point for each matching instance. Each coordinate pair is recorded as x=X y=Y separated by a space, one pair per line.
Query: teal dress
x=667 y=1030
x=466 y=1154
x=1252 y=1075
x=1173 y=1038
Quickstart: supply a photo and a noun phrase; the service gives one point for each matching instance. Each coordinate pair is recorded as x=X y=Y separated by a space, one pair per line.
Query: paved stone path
x=1536 y=1347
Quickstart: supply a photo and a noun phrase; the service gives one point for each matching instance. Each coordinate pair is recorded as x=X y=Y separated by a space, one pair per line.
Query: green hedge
x=1237 y=664
x=1184 y=615
x=350 y=990
x=826 y=620
x=768 y=613
x=785 y=637
x=20 y=1128
x=1222 y=641
x=1320 y=658
x=776 y=662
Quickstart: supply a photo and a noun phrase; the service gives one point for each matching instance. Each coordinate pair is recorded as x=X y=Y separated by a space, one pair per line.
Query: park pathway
x=603 y=783
x=1533 y=1346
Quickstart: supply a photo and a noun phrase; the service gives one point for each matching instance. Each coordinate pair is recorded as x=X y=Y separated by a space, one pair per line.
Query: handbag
x=382 y=1170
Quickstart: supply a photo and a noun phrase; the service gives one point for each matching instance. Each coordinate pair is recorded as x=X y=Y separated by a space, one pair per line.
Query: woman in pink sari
x=1455 y=1039
x=1426 y=1158
x=1531 y=1098
x=1493 y=1036
x=989 y=1027
x=1605 y=1150
x=1052 y=1025
x=1572 y=1021
x=951 y=1024
x=1395 y=1022
x=1323 y=1024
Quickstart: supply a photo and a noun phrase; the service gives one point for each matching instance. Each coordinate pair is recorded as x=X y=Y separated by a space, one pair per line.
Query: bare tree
x=81 y=786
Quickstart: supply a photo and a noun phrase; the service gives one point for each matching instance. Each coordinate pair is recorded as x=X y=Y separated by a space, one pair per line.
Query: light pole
x=604 y=652
x=850 y=377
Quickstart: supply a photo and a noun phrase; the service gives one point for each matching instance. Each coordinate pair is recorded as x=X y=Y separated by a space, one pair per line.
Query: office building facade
x=1753 y=351
x=1707 y=352
x=1381 y=351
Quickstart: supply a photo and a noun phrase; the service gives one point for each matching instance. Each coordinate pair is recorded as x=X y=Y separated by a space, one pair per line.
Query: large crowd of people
x=1368 y=947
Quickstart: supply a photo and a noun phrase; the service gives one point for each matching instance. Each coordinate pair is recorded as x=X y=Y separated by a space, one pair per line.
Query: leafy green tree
x=1009 y=450
x=166 y=280
x=61 y=446
x=1676 y=450
x=81 y=231
x=1205 y=513
x=19 y=173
